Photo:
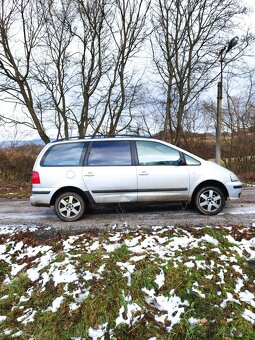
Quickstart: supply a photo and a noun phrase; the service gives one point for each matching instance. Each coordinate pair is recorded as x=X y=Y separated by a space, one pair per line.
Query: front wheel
x=69 y=206
x=209 y=200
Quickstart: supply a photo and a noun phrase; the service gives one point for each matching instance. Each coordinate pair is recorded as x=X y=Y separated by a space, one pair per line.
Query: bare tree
x=185 y=49
x=15 y=62
x=53 y=66
x=76 y=42
x=93 y=58
x=128 y=32
x=72 y=69
x=238 y=121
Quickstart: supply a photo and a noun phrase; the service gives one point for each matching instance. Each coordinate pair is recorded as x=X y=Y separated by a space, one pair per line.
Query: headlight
x=233 y=177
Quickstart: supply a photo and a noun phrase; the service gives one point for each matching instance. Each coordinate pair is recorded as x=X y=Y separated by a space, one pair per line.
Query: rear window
x=109 y=153
x=66 y=154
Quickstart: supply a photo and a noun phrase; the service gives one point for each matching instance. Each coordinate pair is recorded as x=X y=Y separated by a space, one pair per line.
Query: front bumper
x=234 y=190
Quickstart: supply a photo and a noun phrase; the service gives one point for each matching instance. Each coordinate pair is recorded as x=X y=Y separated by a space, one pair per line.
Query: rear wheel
x=69 y=206
x=209 y=200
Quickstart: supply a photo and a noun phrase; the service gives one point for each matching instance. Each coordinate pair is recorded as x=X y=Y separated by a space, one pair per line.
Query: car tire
x=209 y=200
x=69 y=206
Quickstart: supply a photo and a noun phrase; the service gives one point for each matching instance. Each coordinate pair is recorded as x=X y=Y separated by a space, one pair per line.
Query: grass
x=170 y=283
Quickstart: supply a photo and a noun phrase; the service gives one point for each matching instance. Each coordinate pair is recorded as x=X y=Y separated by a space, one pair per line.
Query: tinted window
x=110 y=153
x=66 y=154
x=153 y=153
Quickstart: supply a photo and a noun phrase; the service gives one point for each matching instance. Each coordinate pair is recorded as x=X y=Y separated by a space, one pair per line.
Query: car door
x=161 y=173
x=108 y=172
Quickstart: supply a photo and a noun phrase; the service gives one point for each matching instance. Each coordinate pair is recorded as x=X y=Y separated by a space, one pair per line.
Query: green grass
x=111 y=284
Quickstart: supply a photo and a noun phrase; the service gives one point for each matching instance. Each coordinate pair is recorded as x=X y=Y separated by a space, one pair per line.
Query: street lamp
x=222 y=55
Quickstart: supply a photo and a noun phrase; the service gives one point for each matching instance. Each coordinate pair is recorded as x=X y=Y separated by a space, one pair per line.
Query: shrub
x=16 y=164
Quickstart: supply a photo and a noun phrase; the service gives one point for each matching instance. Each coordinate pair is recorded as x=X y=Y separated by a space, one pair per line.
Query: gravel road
x=19 y=213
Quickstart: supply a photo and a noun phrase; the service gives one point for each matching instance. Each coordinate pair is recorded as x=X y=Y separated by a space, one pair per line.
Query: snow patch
x=172 y=305
x=56 y=304
x=160 y=279
x=99 y=332
x=2 y=318
x=249 y=316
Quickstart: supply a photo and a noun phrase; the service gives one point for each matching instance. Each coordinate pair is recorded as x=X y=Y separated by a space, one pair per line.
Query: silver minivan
x=71 y=174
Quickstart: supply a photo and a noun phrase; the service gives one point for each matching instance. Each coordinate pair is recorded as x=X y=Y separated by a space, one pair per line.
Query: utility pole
x=222 y=55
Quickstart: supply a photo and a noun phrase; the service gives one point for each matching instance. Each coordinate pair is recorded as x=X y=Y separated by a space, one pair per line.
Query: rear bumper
x=40 y=198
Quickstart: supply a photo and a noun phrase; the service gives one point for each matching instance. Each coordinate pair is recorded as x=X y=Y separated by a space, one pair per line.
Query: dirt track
x=21 y=213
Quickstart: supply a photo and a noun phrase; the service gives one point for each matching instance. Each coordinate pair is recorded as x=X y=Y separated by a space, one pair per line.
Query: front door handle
x=143 y=173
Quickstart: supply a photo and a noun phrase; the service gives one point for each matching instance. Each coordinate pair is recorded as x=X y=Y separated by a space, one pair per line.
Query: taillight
x=35 y=177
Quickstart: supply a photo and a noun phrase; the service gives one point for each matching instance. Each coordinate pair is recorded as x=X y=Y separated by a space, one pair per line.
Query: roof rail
x=101 y=136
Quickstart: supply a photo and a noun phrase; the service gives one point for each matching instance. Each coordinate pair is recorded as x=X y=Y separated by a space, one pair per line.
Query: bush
x=16 y=164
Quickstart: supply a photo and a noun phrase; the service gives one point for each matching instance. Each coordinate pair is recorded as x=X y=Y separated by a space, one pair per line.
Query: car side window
x=191 y=161
x=110 y=153
x=66 y=154
x=153 y=153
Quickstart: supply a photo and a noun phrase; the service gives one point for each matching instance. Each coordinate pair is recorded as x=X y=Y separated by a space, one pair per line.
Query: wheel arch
x=213 y=183
x=68 y=189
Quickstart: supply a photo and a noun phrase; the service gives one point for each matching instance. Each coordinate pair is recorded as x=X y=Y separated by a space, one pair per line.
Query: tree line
x=80 y=67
